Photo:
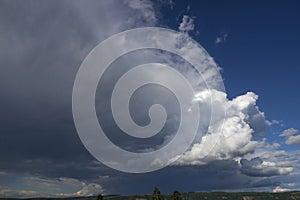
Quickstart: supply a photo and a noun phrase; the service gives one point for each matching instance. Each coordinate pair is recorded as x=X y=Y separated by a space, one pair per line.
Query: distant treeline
x=176 y=195
x=156 y=195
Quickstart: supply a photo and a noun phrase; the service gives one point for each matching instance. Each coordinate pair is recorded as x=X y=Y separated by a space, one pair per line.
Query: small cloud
x=289 y=132
x=187 y=24
x=221 y=39
x=89 y=190
x=273 y=122
x=275 y=145
x=280 y=153
x=9 y=193
x=291 y=137
x=218 y=40
x=256 y=167
x=280 y=189
x=293 y=140
x=51 y=187
x=275 y=154
x=2 y=173
x=188 y=8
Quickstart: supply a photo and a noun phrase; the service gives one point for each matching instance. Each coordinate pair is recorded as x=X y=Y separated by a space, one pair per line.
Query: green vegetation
x=100 y=197
x=210 y=196
x=176 y=195
x=243 y=195
x=156 y=195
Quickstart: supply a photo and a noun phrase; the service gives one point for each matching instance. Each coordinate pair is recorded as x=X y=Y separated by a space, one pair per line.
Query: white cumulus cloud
x=230 y=136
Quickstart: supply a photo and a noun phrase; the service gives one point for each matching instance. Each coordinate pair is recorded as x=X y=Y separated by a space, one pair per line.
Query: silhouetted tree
x=100 y=197
x=176 y=195
x=156 y=194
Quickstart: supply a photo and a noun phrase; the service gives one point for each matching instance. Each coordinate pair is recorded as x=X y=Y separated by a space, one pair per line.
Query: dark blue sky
x=261 y=52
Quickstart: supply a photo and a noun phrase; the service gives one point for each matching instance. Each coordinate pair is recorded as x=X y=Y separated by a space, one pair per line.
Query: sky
x=255 y=144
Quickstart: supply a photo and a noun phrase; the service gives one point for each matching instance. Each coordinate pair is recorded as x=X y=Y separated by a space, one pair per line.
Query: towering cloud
x=231 y=136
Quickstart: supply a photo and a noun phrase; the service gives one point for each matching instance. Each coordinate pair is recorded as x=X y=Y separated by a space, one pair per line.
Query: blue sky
x=260 y=52
x=43 y=44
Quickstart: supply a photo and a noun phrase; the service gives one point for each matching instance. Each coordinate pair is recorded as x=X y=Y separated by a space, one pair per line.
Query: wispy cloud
x=221 y=39
x=50 y=187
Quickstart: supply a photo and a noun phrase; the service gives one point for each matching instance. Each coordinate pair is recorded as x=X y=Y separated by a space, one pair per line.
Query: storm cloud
x=43 y=44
